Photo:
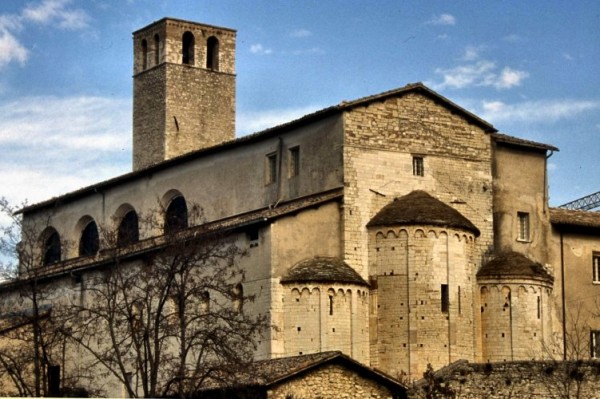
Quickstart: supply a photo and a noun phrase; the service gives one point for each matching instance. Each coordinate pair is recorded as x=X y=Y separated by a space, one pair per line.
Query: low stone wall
x=515 y=380
x=330 y=382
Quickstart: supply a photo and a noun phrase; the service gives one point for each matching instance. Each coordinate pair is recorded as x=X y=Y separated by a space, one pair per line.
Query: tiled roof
x=514 y=264
x=503 y=138
x=420 y=208
x=323 y=270
x=266 y=373
x=585 y=220
x=256 y=137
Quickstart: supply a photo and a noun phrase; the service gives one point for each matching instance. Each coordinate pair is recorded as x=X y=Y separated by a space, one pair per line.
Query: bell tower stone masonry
x=183 y=89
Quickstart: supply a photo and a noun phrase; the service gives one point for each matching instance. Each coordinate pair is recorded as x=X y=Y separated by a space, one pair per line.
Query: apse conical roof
x=420 y=208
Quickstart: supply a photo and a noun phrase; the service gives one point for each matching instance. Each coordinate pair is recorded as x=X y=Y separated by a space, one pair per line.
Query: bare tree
x=165 y=315
x=30 y=348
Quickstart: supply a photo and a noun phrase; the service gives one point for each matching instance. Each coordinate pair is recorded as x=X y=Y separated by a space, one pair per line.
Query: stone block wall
x=320 y=318
x=330 y=382
x=410 y=329
x=515 y=380
x=181 y=107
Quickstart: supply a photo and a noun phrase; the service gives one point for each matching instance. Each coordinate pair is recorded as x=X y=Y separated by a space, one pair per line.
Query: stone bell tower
x=183 y=89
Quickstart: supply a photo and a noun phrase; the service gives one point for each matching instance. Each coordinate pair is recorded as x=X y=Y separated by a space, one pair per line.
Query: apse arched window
x=51 y=247
x=187 y=49
x=128 y=231
x=89 y=242
x=212 y=53
x=176 y=216
x=156 y=49
x=144 y=54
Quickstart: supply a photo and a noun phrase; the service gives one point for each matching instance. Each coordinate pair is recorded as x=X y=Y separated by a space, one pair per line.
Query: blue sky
x=530 y=68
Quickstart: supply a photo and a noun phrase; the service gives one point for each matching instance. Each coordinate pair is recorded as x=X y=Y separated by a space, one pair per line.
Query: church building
x=399 y=229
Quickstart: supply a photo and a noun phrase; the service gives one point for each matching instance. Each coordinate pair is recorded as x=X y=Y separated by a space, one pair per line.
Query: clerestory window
x=89 y=242
x=271 y=168
x=128 y=231
x=51 y=250
x=176 y=216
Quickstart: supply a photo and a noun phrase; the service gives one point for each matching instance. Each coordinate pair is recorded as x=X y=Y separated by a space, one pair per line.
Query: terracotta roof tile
x=323 y=270
x=574 y=218
x=514 y=264
x=420 y=208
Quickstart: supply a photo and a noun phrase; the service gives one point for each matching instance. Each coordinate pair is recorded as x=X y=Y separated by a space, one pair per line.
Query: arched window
x=176 y=216
x=187 y=49
x=156 y=49
x=50 y=246
x=89 y=242
x=212 y=53
x=128 y=231
x=144 y=54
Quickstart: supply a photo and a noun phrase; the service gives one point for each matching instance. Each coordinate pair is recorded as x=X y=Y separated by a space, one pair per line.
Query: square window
x=294 y=166
x=595 y=344
x=271 y=168
x=523 y=233
x=596 y=267
x=418 y=166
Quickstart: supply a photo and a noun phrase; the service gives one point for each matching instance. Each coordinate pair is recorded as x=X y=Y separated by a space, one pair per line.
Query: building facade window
x=595 y=344
x=596 y=267
x=51 y=250
x=212 y=53
x=128 y=231
x=445 y=298
x=271 y=169
x=418 y=166
x=187 y=50
x=89 y=242
x=176 y=216
x=294 y=166
x=156 y=49
x=144 y=54
x=523 y=233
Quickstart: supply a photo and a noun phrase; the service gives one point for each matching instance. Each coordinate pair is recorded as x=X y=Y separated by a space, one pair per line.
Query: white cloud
x=56 y=11
x=10 y=49
x=568 y=57
x=509 y=78
x=512 y=38
x=53 y=145
x=312 y=50
x=259 y=49
x=542 y=111
x=481 y=73
x=256 y=121
x=472 y=53
x=443 y=19
x=301 y=33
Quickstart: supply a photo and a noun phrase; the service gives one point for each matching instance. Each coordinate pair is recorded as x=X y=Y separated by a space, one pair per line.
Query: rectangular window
x=445 y=298
x=271 y=168
x=294 y=166
x=523 y=219
x=596 y=267
x=418 y=166
x=595 y=344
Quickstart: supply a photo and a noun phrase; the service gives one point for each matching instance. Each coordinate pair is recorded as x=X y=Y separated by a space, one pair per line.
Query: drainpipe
x=563 y=296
